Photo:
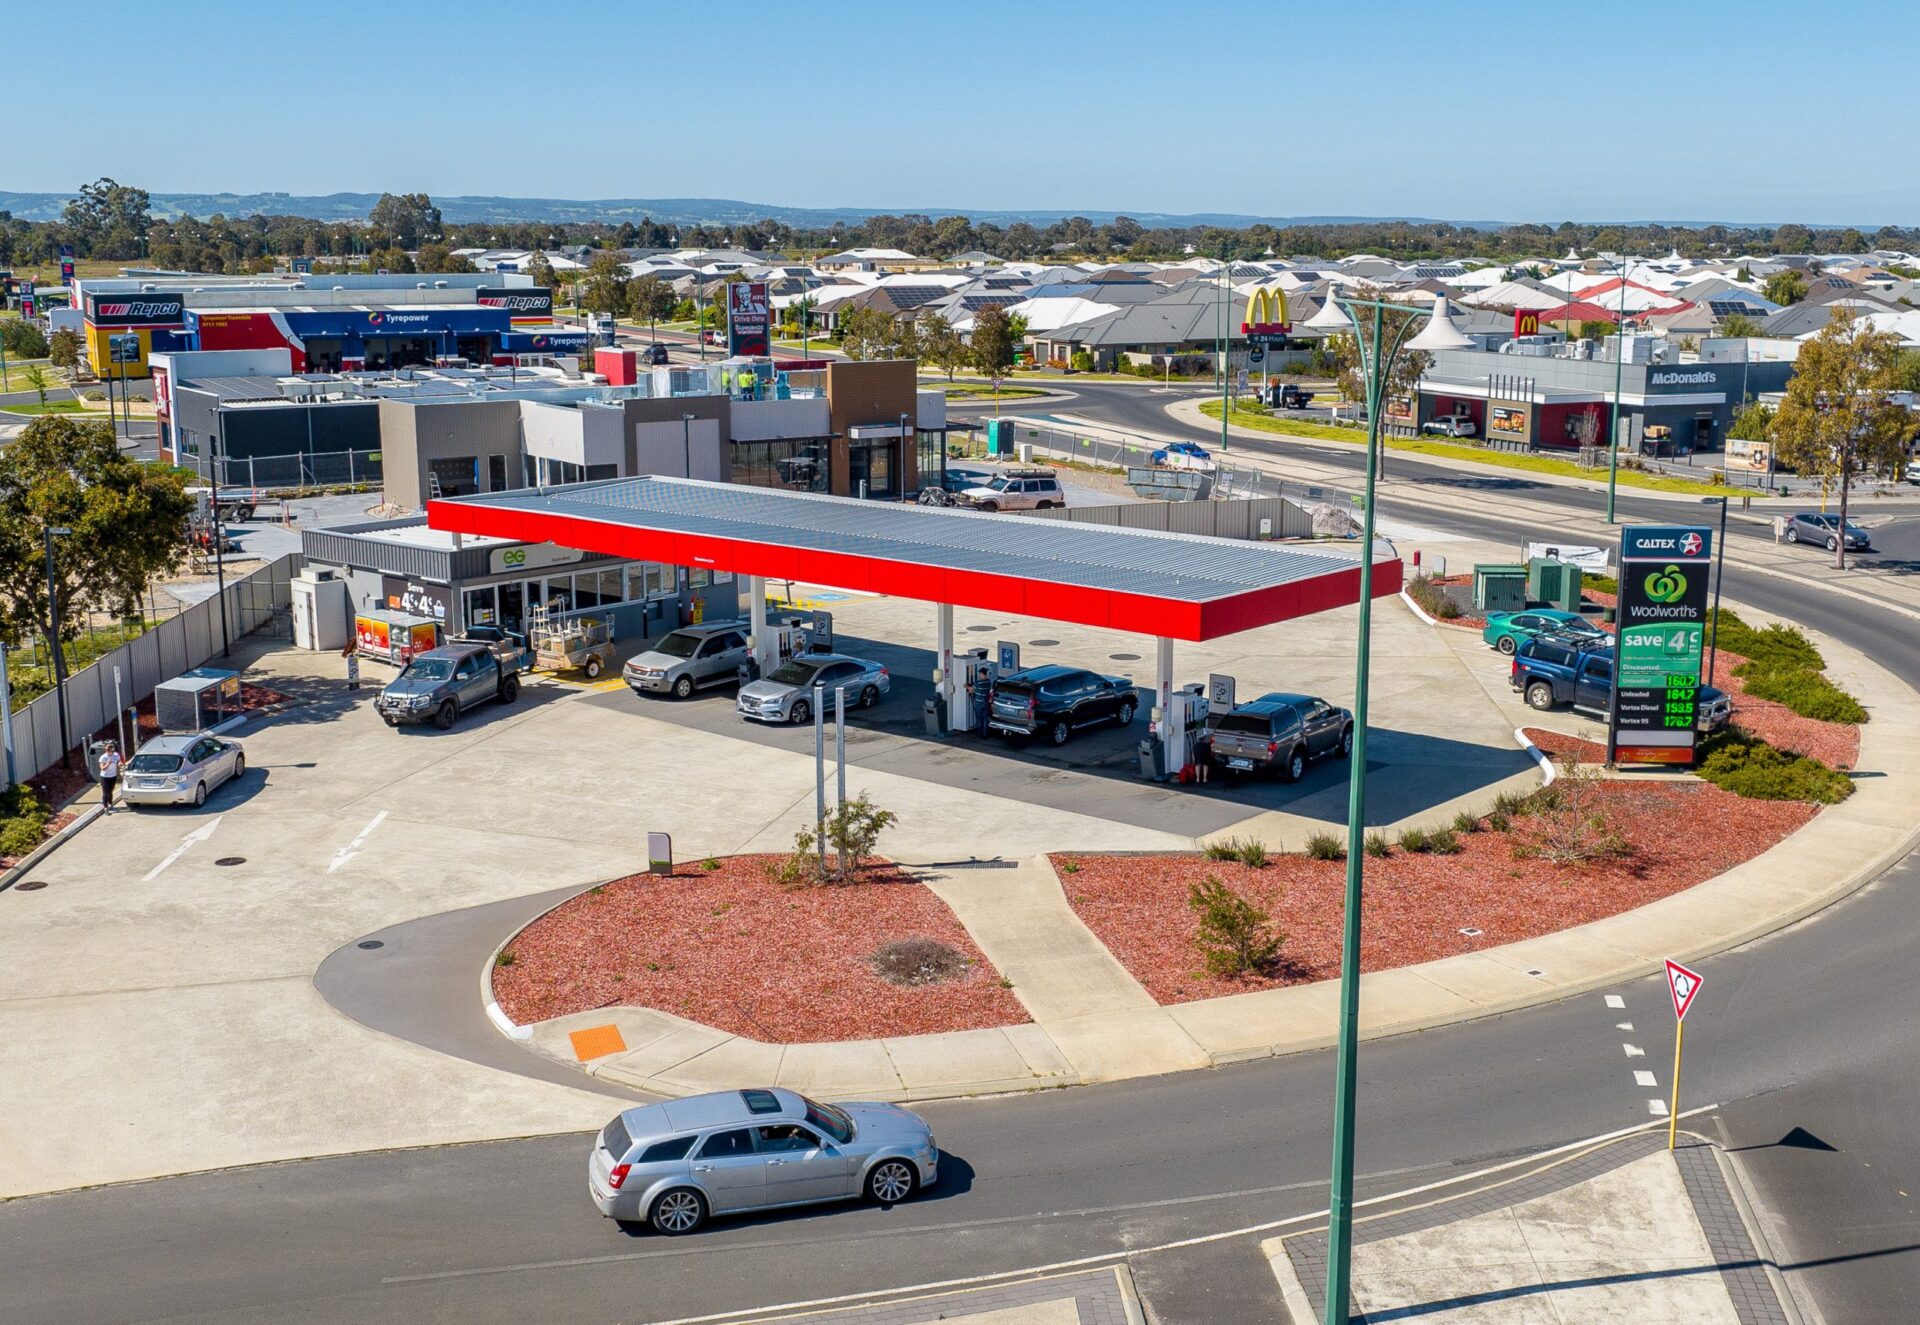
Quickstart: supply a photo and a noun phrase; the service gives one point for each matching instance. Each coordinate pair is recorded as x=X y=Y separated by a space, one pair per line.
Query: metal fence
x=262 y=599
x=320 y=469
x=1256 y=517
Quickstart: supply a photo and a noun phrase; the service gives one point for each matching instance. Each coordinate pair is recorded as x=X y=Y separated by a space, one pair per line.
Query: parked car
x=961 y=480
x=674 y=1164
x=1550 y=671
x=656 y=354
x=1016 y=490
x=786 y=693
x=693 y=656
x=1912 y=471
x=438 y=685
x=1278 y=733
x=1286 y=395
x=1824 y=530
x=1451 y=425
x=181 y=770
x=713 y=337
x=1506 y=631
x=1057 y=701
x=510 y=648
x=1184 y=455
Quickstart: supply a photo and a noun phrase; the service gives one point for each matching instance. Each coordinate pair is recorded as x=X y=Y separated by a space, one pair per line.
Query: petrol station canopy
x=1180 y=586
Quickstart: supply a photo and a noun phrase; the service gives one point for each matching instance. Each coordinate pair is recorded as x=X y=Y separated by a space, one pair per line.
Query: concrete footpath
x=1625 y=1233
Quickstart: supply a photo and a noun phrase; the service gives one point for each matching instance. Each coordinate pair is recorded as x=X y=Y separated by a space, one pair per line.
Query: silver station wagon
x=674 y=1164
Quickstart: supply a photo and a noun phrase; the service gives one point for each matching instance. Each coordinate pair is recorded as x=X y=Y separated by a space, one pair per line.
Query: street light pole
x=53 y=638
x=1613 y=420
x=1226 y=342
x=1377 y=368
x=220 y=533
x=1719 y=575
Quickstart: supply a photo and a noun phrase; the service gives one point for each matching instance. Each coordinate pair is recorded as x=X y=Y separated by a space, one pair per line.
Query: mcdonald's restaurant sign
x=1526 y=322
x=1266 y=319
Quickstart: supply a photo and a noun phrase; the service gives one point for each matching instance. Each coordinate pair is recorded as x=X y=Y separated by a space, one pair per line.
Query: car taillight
x=1031 y=704
x=618 y=1175
x=1272 y=746
x=1513 y=673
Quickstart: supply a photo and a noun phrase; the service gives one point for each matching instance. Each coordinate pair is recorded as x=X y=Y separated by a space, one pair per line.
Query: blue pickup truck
x=1552 y=671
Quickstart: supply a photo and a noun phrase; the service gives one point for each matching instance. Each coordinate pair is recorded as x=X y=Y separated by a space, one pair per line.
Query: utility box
x=1499 y=588
x=1556 y=583
x=619 y=367
x=322 y=613
x=197 y=700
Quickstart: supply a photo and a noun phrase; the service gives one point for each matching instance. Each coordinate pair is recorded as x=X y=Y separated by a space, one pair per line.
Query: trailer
x=571 y=643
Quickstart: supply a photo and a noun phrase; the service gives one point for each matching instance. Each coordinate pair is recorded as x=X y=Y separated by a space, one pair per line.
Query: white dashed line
x=1644 y=1079
x=1634 y=1051
x=352 y=849
x=1615 y=1001
x=1658 y=1108
x=1623 y=1026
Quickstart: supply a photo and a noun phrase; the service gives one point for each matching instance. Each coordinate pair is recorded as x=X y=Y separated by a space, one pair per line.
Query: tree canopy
x=409 y=219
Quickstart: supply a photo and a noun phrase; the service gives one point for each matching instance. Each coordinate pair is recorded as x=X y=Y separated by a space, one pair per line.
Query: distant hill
x=672 y=211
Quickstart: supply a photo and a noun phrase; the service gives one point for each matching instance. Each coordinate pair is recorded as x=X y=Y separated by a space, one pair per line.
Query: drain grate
x=1471 y=933
x=982 y=628
x=30 y=886
x=976 y=864
x=231 y=860
x=1124 y=657
x=1042 y=643
x=369 y=944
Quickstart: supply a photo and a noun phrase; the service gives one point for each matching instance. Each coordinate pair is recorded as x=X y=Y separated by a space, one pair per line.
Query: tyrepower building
x=331 y=323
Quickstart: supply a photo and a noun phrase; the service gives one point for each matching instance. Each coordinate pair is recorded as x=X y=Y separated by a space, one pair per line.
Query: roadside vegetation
x=23 y=820
x=1747 y=766
x=1432 y=601
x=1784 y=666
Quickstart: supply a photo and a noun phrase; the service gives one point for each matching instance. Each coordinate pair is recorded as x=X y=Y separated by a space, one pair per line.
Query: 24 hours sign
x=1662 y=625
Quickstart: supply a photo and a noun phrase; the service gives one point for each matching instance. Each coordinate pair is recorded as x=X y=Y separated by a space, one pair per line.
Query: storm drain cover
x=1043 y=643
x=1471 y=933
x=983 y=627
x=370 y=944
x=231 y=860
x=1124 y=657
x=31 y=886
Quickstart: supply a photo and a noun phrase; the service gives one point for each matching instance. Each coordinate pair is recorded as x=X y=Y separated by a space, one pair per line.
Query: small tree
x=851 y=832
x=605 y=287
x=1234 y=936
x=940 y=345
x=23 y=339
x=64 y=349
x=1739 y=326
x=540 y=271
x=37 y=380
x=992 y=343
x=648 y=300
x=1569 y=820
x=1838 y=420
x=1785 y=287
x=867 y=333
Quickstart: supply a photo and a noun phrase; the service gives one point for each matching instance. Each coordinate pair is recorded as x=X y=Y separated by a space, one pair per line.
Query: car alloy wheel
x=1505 y=644
x=1346 y=743
x=869 y=697
x=678 y=1211
x=1832 y=543
x=239 y=767
x=200 y=795
x=1540 y=696
x=1296 y=766
x=683 y=687
x=1127 y=709
x=1059 y=732
x=802 y=712
x=890 y=1182
x=1793 y=535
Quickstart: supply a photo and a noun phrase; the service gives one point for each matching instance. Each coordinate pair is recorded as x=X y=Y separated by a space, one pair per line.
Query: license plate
x=1240 y=763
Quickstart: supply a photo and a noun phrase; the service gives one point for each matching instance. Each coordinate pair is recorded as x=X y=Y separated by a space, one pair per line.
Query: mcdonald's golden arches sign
x=1266 y=314
x=1526 y=322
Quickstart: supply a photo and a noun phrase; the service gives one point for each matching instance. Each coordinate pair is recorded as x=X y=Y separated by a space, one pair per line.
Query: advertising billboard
x=527 y=303
x=1507 y=420
x=1662 y=627
x=144 y=309
x=1526 y=322
x=749 y=319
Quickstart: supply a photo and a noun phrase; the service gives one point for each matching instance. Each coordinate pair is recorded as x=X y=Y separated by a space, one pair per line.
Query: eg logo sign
x=1690 y=545
x=514 y=557
x=1666 y=586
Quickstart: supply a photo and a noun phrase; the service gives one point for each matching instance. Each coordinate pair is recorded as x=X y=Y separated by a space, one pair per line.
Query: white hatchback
x=181 y=770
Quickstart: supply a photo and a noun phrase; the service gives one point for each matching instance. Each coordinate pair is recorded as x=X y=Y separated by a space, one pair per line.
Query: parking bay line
x=352 y=849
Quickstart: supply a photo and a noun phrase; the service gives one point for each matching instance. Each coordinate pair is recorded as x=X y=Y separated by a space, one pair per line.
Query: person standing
x=109 y=768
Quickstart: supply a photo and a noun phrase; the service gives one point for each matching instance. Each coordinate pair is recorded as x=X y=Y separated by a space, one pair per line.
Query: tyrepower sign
x=1662 y=627
x=749 y=319
x=524 y=304
x=146 y=309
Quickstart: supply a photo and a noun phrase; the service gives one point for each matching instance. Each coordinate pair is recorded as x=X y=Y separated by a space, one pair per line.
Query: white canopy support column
x=953 y=697
x=759 y=638
x=1163 y=715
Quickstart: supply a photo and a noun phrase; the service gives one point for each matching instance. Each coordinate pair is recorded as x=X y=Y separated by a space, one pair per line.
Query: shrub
x=1377 y=845
x=1509 y=803
x=23 y=820
x=1434 y=603
x=1601 y=583
x=1465 y=823
x=1747 y=766
x=851 y=831
x=1499 y=822
x=914 y=962
x=710 y=864
x=1806 y=692
x=1234 y=936
x=1416 y=840
x=1769 y=645
x=1248 y=851
x=1224 y=849
x=1570 y=824
x=505 y=958
x=1081 y=361
x=1069 y=867
x=23 y=339
x=1326 y=846
x=1443 y=842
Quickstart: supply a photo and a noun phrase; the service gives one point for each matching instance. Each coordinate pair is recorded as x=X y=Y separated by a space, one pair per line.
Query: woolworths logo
x=1666 y=586
x=1683 y=379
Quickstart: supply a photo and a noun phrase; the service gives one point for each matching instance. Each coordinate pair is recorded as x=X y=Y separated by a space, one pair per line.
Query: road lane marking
x=1615 y=1001
x=1644 y=1079
x=200 y=834
x=352 y=849
x=1634 y=1051
x=1658 y=1108
x=1623 y=1026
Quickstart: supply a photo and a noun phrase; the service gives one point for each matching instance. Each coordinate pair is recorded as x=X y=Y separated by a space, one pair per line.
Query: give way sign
x=1683 y=984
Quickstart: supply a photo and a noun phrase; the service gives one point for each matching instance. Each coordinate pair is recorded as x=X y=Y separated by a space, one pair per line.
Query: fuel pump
x=974 y=677
x=1180 y=727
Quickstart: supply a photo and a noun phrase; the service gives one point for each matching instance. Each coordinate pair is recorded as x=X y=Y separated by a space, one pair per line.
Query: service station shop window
x=506 y=604
x=459 y=476
x=797 y=465
x=932 y=457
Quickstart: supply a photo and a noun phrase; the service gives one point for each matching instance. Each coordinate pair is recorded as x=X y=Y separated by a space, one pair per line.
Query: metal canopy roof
x=1178 y=585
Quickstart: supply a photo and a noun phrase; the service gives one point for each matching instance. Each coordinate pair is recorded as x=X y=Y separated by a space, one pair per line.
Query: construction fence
x=318 y=469
x=1254 y=517
x=261 y=600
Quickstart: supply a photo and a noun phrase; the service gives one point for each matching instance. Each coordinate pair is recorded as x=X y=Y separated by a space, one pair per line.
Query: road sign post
x=1683 y=984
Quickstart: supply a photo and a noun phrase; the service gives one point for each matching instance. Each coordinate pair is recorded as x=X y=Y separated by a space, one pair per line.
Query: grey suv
x=441 y=684
x=693 y=656
x=786 y=693
x=674 y=1163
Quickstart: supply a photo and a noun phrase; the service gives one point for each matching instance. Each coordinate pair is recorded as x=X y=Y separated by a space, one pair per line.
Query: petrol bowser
x=974 y=674
x=1177 y=731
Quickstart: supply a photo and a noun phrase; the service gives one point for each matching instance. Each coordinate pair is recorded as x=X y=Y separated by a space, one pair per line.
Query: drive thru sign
x=1683 y=984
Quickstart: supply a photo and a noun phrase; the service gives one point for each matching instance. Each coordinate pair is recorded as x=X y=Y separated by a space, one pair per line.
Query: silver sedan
x=787 y=693
x=181 y=770
x=673 y=1164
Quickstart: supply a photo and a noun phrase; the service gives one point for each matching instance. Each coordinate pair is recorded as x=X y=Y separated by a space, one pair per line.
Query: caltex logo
x=1690 y=545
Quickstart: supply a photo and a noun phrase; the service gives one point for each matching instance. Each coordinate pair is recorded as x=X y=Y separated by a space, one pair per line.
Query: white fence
x=176 y=645
x=1213 y=519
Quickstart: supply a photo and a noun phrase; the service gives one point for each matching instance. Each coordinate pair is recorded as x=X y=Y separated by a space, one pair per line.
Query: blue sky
x=1465 y=109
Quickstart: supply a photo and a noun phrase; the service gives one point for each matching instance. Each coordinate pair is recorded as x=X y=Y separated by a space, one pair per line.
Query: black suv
x=1057 y=700
x=657 y=355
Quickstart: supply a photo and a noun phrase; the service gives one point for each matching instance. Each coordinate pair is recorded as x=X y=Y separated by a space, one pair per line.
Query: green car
x=1507 y=631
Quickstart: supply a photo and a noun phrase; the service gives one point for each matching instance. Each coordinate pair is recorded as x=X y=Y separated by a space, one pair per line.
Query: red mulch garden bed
x=1683 y=833
x=1836 y=744
x=1557 y=745
x=731 y=948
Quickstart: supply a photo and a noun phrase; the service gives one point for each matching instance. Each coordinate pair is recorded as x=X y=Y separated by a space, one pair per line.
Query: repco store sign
x=146 y=309
x=532 y=556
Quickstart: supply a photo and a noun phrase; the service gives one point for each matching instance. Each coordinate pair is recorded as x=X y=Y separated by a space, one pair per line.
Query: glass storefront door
x=874 y=463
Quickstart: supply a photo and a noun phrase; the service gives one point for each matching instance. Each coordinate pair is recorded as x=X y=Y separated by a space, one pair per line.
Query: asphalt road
x=1806 y=1040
